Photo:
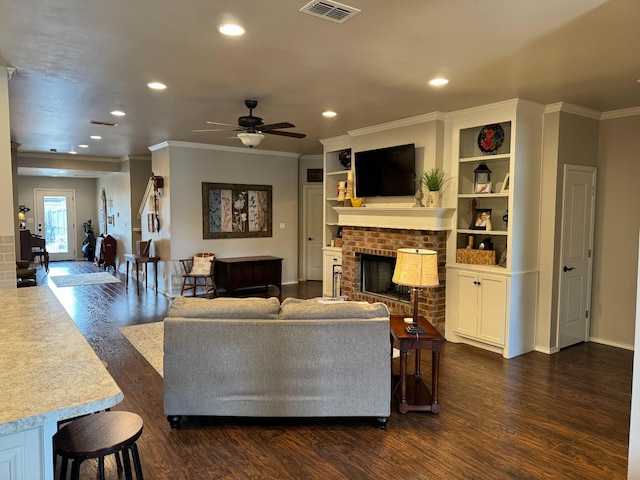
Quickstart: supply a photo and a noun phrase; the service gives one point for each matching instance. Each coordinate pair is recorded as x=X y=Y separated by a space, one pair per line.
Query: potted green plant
x=435 y=180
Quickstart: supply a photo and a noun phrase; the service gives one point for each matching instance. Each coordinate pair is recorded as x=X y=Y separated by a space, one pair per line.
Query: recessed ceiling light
x=156 y=86
x=72 y=151
x=83 y=146
x=438 y=82
x=329 y=114
x=118 y=113
x=231 y=29
x=96 y=137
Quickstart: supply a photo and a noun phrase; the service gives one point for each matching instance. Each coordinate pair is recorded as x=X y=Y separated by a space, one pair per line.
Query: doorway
x=576 y=262
x=55 y=215
x=312 y=227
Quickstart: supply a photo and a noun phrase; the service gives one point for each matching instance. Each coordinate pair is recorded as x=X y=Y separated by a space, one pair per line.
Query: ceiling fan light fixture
x=251 y=139
x=231 y=29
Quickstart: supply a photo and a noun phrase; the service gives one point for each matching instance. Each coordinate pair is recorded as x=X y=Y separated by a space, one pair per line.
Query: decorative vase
x=434 y=199
x=419 y=195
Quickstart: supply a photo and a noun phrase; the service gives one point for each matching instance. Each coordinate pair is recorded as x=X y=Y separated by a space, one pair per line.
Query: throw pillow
x=201 y=265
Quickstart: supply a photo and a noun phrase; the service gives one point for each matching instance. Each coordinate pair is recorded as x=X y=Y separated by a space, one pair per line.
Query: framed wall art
x=232 y=210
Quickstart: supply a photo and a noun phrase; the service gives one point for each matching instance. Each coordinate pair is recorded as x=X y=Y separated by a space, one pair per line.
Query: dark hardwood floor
x=564 y=416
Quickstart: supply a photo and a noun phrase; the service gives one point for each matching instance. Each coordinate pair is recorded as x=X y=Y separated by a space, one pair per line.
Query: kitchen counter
x=48 y=372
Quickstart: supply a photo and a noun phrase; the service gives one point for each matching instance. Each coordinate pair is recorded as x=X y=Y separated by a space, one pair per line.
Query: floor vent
x=104 y=124
x=329 y=10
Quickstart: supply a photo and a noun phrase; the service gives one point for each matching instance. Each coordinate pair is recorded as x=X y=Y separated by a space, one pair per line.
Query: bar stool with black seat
x=96 y=436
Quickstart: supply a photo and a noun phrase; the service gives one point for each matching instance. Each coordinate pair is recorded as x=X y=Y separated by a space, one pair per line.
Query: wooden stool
x=96 y=436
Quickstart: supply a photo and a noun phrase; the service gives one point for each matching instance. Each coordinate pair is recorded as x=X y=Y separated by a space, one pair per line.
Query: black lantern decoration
x=482 y=179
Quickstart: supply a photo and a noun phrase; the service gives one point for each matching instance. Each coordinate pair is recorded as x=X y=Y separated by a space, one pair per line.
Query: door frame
x=71 y=212
x=561 y=259
x=305 y=219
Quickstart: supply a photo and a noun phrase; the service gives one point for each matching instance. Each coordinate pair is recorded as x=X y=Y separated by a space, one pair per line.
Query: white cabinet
x=493 y=306
x=481 y=306
x=332 y=271
x=21 y=456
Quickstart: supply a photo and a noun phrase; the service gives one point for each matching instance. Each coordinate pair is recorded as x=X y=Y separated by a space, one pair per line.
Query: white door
x=55 y=221
x=312 y=251
x=578 y=212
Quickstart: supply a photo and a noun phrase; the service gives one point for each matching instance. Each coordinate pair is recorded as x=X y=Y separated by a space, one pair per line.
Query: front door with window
x=55 y=221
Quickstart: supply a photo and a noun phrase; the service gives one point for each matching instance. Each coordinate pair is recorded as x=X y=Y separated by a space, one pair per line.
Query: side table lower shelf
x=410 y=389
x=419 y=398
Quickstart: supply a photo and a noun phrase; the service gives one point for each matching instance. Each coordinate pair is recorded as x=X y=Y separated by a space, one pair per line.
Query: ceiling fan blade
x=273 y=126
x=285 y=134
x=212 y=130
x=219 y=123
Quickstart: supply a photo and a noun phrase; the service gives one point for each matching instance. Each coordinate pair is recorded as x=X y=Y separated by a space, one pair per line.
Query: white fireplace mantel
x=415 y=218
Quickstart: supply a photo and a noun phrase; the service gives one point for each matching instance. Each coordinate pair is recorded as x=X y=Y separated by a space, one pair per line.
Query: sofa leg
x=174 y=420
x=381 y=422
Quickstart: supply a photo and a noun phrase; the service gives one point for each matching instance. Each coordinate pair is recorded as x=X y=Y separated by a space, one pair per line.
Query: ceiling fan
x=252 y=128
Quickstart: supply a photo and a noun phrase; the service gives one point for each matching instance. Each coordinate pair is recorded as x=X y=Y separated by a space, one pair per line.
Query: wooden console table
x=137 y=260
x=243 y=272
x=414 y=394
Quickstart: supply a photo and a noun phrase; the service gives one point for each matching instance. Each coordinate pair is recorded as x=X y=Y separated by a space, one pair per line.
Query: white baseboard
x=611 y=344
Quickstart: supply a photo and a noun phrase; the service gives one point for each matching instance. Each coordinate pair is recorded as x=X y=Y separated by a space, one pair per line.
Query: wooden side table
x=137 y=260
x=413 y=394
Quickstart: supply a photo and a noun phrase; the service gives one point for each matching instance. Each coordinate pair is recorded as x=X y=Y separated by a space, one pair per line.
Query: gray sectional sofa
x=255 y=357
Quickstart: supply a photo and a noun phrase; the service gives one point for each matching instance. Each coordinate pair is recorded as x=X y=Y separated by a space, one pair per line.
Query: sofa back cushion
x=294 y=308
x=231 y=308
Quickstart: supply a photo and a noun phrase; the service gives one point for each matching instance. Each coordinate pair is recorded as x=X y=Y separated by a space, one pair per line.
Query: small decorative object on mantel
x=344 y=156
x=419 y=195
x=482 y=179
x=435 y=180
x=342 y=187
x=490 y=138
x=357 y=202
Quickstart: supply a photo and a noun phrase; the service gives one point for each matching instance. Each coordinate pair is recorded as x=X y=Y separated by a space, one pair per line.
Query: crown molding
x=404 y=122
x=221 y=148
x=624 y=112
x=66 y=156
x=573 y=109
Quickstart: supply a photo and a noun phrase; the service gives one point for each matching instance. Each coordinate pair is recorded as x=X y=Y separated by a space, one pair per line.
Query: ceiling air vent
x=104 y=124
x=329 y=10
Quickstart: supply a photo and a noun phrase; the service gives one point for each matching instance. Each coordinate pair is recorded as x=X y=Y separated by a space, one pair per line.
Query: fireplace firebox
x=377 y=278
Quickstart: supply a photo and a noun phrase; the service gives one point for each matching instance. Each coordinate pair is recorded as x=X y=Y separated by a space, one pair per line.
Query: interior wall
x=85 y=199
x=550 y=198
x=8 y=214
x=189 y=165
x=117 y=187
x=617 y=225
x=428 y=138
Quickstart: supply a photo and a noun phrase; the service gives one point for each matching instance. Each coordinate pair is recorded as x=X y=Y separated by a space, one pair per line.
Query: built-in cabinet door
x=467 y=303
x=492 y=291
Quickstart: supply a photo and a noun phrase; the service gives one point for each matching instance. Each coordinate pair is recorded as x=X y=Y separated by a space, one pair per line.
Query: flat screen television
x=386 y=172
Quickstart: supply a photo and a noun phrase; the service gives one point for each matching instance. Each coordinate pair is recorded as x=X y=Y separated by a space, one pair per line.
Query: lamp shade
x=251 y=139
x=416 y=267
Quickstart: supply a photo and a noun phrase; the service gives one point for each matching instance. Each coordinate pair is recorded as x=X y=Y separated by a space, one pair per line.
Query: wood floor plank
x=536 y=416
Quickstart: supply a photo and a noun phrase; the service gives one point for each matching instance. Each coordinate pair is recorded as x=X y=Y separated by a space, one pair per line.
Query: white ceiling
x=78 y=60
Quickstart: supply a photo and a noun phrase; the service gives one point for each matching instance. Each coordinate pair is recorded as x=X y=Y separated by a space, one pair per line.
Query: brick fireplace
x=384 y=242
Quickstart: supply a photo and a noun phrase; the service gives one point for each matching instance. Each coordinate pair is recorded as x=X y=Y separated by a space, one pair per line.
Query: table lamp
x=416 y=268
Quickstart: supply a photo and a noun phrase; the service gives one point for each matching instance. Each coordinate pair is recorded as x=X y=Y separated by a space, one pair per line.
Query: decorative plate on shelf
x=491 y=138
